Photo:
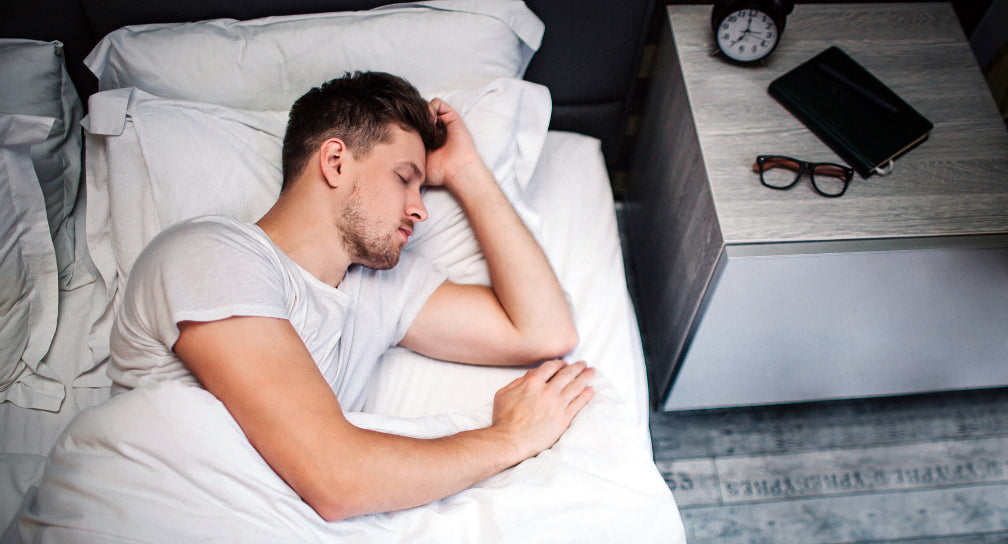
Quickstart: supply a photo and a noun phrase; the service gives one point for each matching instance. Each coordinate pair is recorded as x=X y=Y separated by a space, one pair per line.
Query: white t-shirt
x=213 y=268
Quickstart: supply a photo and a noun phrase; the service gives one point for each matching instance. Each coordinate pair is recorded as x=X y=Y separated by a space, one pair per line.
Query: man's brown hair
x=358 y=108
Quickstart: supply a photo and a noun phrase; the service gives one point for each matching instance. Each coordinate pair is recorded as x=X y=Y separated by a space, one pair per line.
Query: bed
x=184 y=119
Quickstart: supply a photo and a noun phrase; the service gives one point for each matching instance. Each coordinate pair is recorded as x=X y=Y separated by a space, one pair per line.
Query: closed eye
x=408 y=171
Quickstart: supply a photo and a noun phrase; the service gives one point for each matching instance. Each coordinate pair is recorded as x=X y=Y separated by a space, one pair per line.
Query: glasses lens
x=780 y=172
x=830 y=179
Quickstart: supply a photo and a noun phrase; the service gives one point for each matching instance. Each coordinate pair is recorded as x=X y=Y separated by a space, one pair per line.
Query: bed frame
x=588 y=59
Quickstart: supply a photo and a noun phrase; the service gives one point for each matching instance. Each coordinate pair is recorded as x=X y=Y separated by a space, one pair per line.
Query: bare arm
x=265 y=376
x=524 y=317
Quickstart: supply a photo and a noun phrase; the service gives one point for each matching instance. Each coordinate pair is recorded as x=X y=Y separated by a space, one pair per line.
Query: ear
x=332 y=160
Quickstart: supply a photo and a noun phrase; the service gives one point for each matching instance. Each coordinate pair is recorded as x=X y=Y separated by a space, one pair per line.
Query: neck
x=302 y=226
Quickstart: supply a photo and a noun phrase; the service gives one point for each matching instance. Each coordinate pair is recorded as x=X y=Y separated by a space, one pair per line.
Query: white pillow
x=29 y=296
x=35 y=82
x=153 y=162
x=508 y=119
x=266 y=64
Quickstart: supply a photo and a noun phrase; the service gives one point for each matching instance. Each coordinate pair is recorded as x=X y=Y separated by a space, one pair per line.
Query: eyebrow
x=416 y=169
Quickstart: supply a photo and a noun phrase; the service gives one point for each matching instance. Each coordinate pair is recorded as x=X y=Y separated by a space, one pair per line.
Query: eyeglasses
x=778 y=172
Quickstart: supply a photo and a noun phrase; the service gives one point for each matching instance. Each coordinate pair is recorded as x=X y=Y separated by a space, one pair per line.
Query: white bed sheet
x=601 y=474
x=26 y=435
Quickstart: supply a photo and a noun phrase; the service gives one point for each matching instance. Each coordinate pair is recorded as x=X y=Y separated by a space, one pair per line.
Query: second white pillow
x=265 y=64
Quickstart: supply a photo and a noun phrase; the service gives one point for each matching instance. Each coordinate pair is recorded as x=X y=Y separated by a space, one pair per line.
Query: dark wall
x=969 y=11
x=590 y=79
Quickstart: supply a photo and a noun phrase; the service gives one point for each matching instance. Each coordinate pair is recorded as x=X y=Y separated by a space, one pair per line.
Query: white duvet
x=188 y=474
x=169 y=464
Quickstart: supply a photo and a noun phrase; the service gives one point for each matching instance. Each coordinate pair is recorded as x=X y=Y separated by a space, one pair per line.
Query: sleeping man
x=284 y=320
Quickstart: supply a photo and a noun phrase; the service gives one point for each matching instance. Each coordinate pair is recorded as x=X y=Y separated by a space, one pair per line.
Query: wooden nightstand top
x=953 y=184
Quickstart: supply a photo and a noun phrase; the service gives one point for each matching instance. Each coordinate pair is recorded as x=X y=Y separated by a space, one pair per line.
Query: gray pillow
x=35 y=82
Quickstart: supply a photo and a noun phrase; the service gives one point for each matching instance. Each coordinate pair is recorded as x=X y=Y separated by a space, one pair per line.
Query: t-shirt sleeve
x=423 y=279
x=201 y=272
x=391 y=299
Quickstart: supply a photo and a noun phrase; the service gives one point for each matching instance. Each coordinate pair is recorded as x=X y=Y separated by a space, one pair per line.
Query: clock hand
x=745 y=33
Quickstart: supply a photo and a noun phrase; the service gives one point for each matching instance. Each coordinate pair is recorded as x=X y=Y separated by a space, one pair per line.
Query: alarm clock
x=749 y=30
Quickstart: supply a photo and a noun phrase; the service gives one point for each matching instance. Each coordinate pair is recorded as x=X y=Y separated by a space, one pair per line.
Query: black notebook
x=855 y=114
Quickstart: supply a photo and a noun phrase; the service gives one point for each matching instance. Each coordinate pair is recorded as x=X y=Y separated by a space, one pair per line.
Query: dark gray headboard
x=588 y=58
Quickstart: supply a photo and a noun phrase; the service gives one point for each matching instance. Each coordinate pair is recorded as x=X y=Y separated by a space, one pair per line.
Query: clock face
x=747 y=35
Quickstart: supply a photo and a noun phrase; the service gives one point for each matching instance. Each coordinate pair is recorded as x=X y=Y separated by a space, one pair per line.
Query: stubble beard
x=359 y=240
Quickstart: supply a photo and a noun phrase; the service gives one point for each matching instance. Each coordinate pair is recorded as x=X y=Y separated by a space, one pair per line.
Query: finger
x=546 y=370
x=446 y=113
x=515 y=382
x=578 y=384
x=567 y=374
x=580 y=401
x=441 y=106
x=433 y=106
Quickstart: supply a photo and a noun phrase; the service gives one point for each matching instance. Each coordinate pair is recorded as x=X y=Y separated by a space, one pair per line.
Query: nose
x=415 y=207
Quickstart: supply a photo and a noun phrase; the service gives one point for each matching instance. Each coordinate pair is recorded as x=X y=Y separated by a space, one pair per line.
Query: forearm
x=265 y=376
x=521 y=276
x=390 y=473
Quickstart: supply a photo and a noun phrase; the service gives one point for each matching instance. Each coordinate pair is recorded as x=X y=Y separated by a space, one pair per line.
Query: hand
x=446 y=163
x=536 y=409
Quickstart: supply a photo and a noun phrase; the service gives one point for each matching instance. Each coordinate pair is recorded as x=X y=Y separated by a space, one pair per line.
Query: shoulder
x=204 y=231
x=204 y=236
x=211 y=244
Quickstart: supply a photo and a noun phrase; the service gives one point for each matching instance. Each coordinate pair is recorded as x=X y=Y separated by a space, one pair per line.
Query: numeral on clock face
x=747 y=35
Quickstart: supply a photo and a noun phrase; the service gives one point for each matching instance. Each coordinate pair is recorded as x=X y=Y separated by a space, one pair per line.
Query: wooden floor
x=928 y=468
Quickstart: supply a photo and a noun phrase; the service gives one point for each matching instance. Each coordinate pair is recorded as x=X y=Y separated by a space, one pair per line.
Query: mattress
x=167 y=463
x=415 y=395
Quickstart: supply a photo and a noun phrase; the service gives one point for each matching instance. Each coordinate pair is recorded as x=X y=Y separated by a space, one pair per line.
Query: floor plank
x=915 y=470
x=858 y=470
x=859 y=422
x=989 y=538
x=872 y=517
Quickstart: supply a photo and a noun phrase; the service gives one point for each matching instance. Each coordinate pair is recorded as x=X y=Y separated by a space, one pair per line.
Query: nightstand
x=750 y=296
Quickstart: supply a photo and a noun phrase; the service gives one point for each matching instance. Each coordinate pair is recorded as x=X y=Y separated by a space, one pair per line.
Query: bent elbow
x=331 y=514
x=557 y=344
x=569 y=341
x=335 y=510
x=333 y=505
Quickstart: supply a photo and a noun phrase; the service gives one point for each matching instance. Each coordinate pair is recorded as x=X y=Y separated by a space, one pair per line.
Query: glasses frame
x=805 y=167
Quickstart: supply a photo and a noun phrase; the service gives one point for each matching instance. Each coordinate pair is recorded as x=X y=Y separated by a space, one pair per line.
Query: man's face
x=384 y=202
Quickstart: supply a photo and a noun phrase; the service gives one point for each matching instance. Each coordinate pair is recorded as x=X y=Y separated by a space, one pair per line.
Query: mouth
x=406 y=232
